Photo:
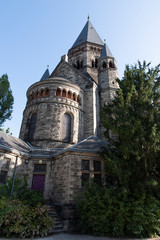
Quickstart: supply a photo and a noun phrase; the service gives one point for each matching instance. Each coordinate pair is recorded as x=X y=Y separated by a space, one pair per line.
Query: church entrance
x=38 y=182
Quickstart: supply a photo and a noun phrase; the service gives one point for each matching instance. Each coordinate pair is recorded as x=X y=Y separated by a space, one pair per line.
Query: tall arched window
x=32 y=126
x=66 y=128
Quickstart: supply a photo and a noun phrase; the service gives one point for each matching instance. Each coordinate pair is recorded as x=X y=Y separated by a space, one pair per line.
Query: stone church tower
x=63 y=108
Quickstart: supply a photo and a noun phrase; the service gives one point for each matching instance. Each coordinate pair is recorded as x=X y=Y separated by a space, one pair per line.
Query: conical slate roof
x=106 y=52
x=45 y=75
x=88 y=34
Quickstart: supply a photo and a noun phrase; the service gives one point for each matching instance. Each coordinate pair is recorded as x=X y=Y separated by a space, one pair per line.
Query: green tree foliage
x=129 y=204
x=132 y=123
x=6 y=99
x=6 y=130
x=106 y=211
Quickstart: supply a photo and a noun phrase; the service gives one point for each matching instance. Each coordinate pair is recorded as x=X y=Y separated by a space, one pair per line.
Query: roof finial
x=47 y=66
x=104 y=41
x=88 y=16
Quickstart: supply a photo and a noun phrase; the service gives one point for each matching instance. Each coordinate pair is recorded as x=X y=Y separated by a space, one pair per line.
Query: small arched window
x=78 y=64
x=111 y=64
x=69 y=94
x=81 y=64
x=32 y=126
x=92 y=64
x=36 y=95
x=64 y=93
x=58 y=92
x=104 y=65
x=66 y=128
x=46 y=92
x=32 y=96
x=41 y=93
x=96 y=63
x=74 y=96
x=78 y=99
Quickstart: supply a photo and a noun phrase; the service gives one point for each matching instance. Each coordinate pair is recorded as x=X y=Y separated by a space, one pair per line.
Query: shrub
x=114 y=212
x=21 y=192
x=21 y=220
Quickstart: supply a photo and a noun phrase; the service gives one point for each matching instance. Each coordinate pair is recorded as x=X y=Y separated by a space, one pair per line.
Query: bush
x=21 y=192
x=21 y=220
x=109 y=211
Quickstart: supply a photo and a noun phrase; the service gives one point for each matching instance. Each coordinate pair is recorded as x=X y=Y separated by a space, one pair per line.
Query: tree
x=6 y=99
x=129 y=203
x=132 y=123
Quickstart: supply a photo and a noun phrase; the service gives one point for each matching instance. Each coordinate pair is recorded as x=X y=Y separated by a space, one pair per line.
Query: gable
x=65 y=70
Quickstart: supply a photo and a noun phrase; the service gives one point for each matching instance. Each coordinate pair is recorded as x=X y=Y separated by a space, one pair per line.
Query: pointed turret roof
x=45 y=75
x=88 y=34
x=106 y=52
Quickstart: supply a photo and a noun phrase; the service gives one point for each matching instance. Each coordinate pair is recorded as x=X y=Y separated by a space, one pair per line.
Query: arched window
x=64 y=93
x=58 y=92
x=74 y=96
x=32 y=126
x=66 y=128
x=32 y=95
x=96 y=63
x=78 y=99
x=41 y=93
x=104 y=65
x=92 y=64
x=78 y=64
x=81 y=64
x=36 y=95
x=111 y=64
x=69 y=94
x=46 y=92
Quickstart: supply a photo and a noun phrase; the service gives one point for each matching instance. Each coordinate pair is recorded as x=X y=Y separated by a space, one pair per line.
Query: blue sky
x=36 y=33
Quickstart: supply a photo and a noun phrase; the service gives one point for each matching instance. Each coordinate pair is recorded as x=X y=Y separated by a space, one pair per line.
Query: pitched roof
x=45 y=75
x=88 y=34
x=13 y=144
x=106 y=51
x=91 y=144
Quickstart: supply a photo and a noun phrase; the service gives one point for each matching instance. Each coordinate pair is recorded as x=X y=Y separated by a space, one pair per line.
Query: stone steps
x=58 y=223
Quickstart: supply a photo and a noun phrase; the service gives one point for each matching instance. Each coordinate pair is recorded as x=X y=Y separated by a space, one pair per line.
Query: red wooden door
x=38 y=182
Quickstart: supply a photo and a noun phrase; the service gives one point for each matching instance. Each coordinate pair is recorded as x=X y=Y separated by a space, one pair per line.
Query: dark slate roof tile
x=12 y=144
x=88 y=34
x=106 y=52
x=45 y=75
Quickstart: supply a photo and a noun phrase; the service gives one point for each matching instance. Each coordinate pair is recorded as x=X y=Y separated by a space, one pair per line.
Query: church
x=61 y=134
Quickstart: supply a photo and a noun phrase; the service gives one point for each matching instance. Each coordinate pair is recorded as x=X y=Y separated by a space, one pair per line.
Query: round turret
x=54 y=113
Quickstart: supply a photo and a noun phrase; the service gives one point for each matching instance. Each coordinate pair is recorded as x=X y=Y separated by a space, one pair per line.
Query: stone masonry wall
x=50 y=111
